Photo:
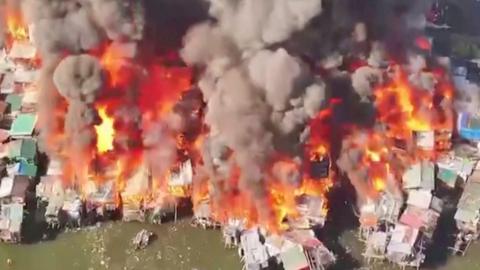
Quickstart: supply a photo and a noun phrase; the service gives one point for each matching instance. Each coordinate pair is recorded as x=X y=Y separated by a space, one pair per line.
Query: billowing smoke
x=64 y=32
x=79 y=79
x=259 y=100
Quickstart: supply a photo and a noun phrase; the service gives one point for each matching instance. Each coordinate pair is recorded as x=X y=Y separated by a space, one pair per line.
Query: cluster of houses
x=399 y=229
x=19 y=163
x=296 y=249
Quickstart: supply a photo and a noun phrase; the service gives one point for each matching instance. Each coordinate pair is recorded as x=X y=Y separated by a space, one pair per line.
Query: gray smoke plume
x=79 y=79
x=257 y=99
x=70 y=81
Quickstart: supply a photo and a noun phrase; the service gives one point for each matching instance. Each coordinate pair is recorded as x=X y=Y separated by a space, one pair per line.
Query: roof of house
x=6 y=186
x=15 y=101
x=22 y=50
x=13 y=215
x=420 y=198
x=23 y=125
x=30 y=97
x=420 y=175
x=470 y=200
x=20 y=185
x=7 y=85
x=27 y=169
x=49 y=185
x=294 y=258
x=24 y=76
x=24 y=149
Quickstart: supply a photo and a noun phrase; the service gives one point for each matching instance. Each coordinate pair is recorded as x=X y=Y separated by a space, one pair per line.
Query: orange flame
x=105 y=131
x=398 y=106
x=15 y=25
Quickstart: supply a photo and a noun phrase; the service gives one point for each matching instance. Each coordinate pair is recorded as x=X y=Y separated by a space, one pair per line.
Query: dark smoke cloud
x=257 y=99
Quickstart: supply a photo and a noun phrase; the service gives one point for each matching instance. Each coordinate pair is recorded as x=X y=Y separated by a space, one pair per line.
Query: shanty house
x=23 y=149
x=420 y=175
x=316 y=255
x=29 y=101
x=132 y=198
x=420 y=198
x=23 y=125
x=254 y=252
x=467 y=215
x=103 y=198
x=401 y=249
x=14 y=102
x=14 y=189
x=11 y=219
x=180 y=179
x=312 y=209
x=24 y=152
x=388 y=208
x=232 y=231
x=22 y=50
x=50 y=191
x=376 y=246
x=13 y=197
x=202 y=215
x=73 y=207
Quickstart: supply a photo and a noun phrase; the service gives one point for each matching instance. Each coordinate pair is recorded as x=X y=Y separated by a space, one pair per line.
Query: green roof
x=24 y=149
x=15 y=101
x=29 y=149
x=28 y=169
x=23 y=125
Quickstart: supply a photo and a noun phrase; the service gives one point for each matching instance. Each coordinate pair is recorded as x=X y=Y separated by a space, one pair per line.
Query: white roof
x=24 y=76
x=7 y=85
x=22 y=50
x=30 y=97
x=420 y=198
x=403 y=234
x=6 y=187
x=412 y=177
x=466 y=216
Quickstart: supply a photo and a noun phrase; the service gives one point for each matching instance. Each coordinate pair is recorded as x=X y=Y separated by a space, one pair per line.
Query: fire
x=405 y=108
x=379 y=184
x=105 y=131
x=15 y=25
x=398 y=105
x=113 y=62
